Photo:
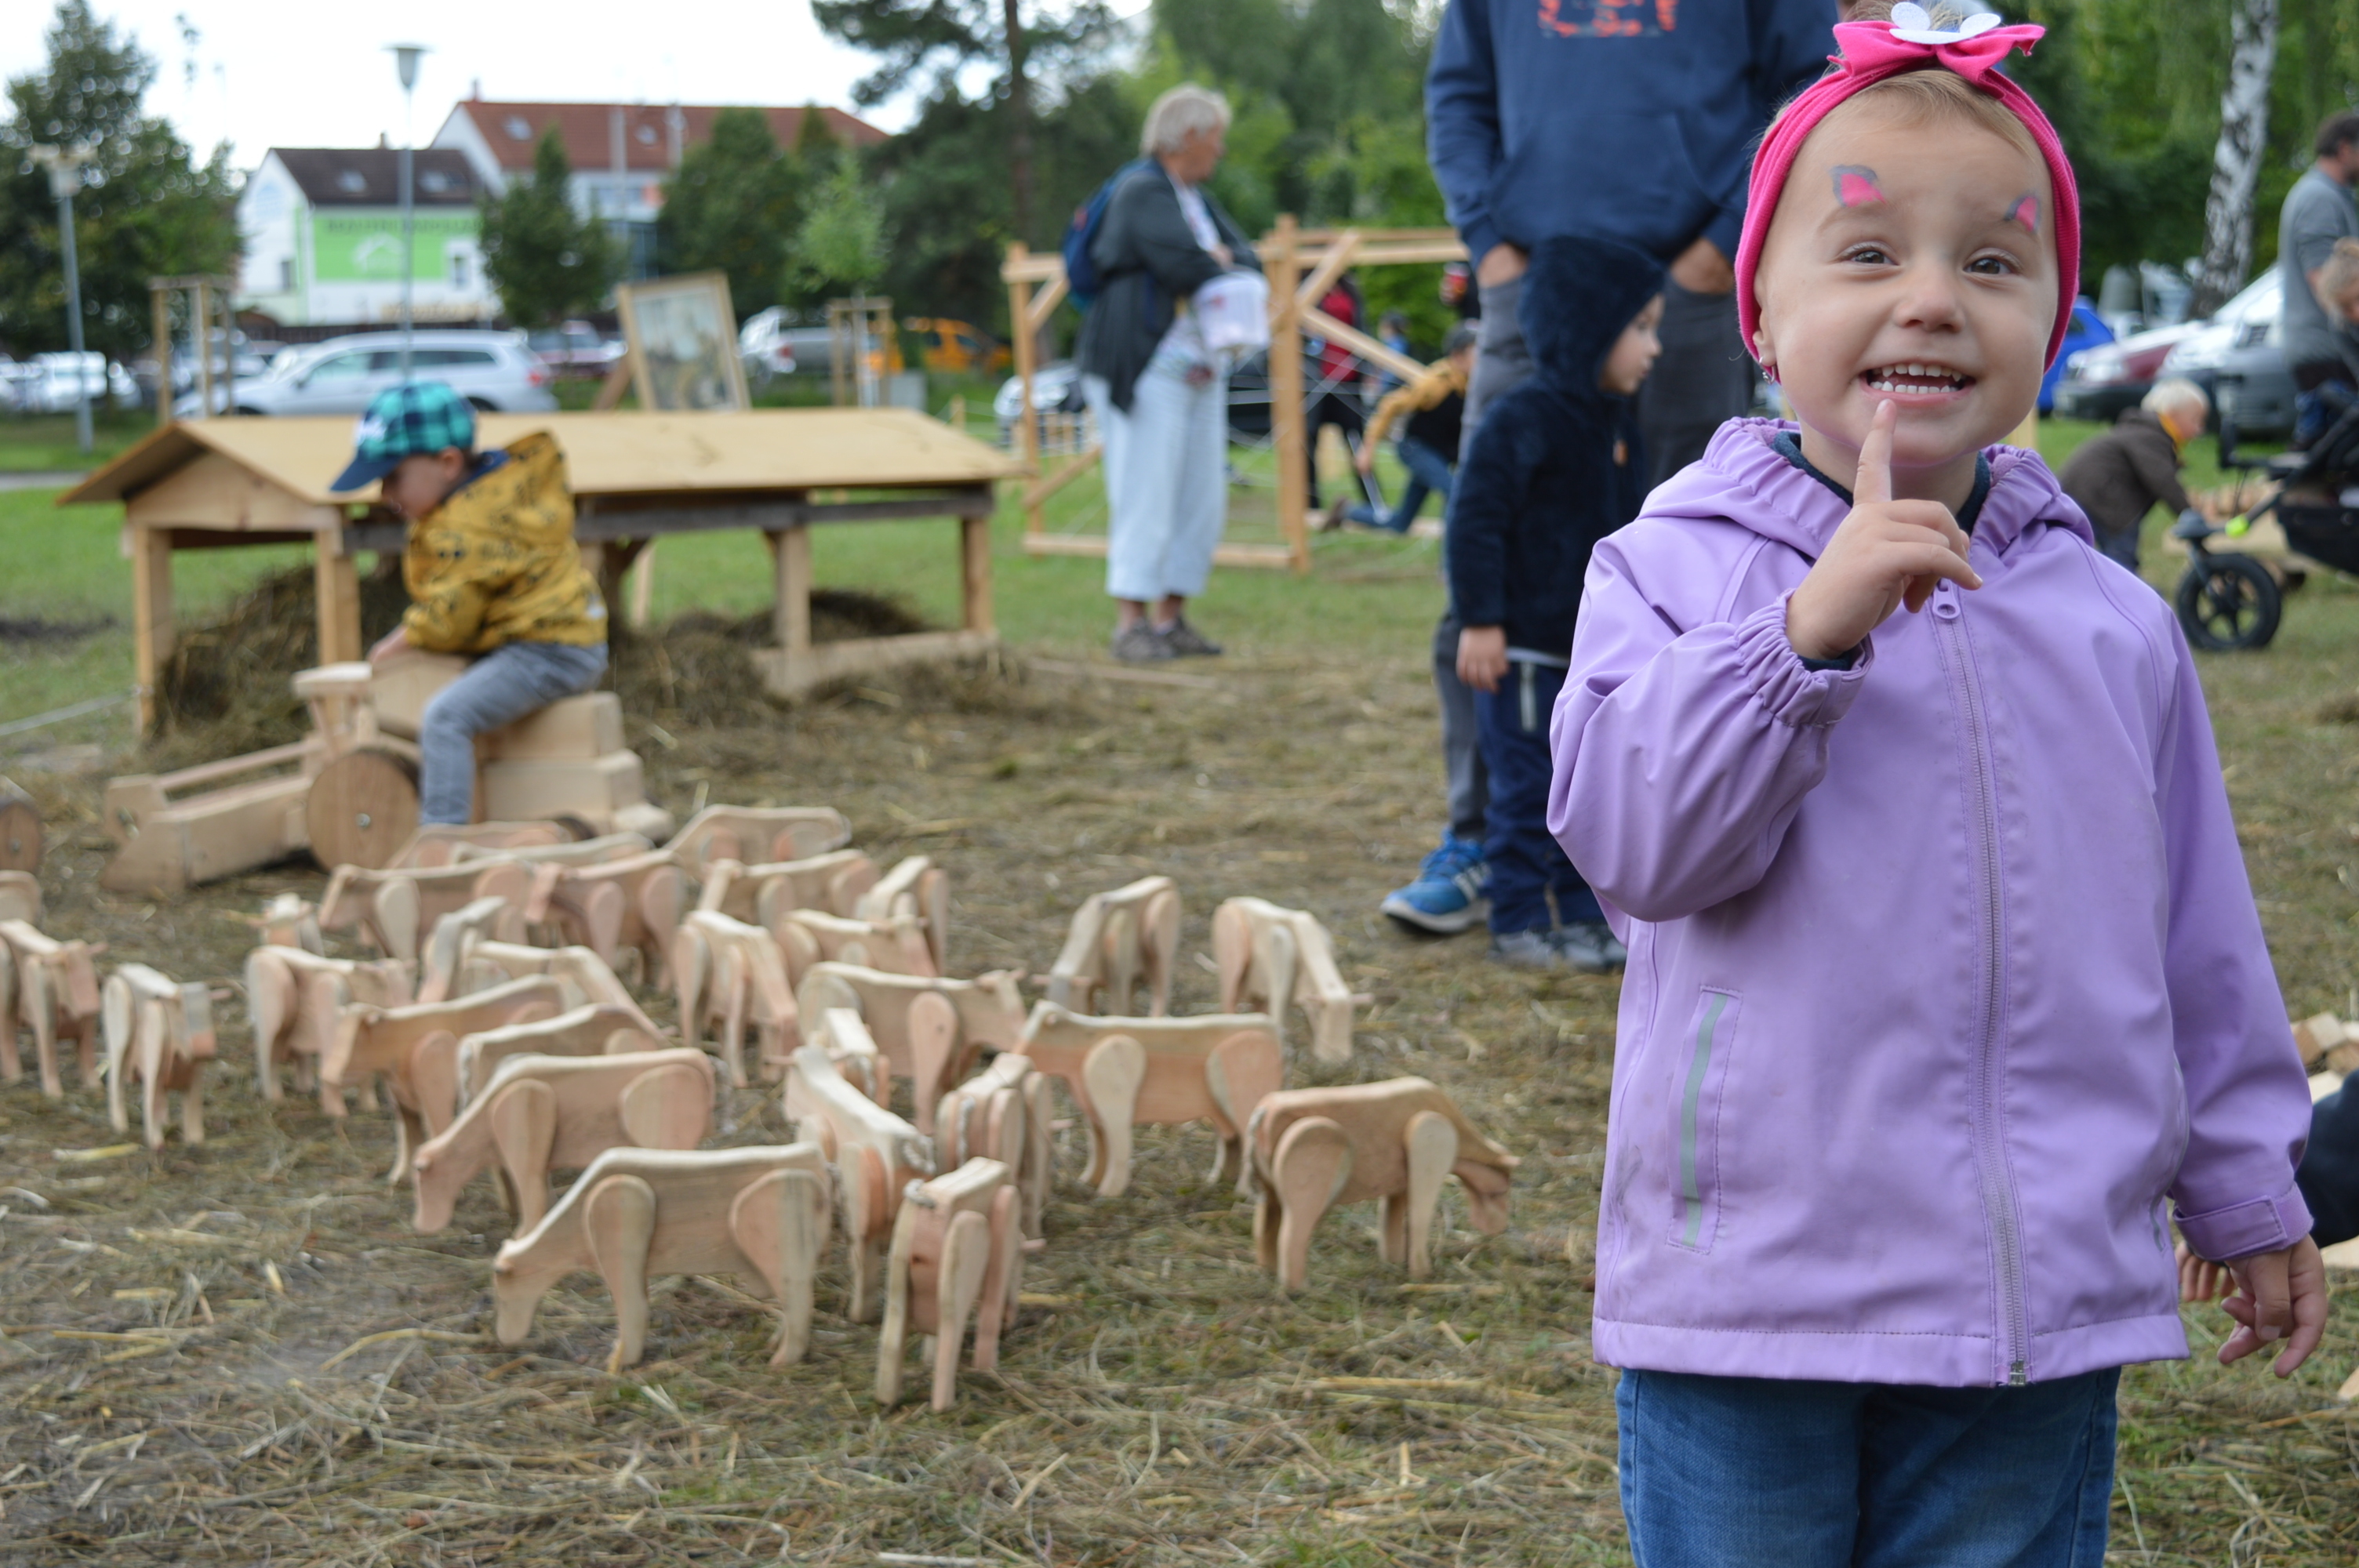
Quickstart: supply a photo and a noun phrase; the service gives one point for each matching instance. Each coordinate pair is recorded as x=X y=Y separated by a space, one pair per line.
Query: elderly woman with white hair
x=2117 y=477
x=1159 y=391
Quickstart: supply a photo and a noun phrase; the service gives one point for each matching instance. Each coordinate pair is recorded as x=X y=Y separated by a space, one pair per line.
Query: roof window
x=351 y=181
x=518 y=129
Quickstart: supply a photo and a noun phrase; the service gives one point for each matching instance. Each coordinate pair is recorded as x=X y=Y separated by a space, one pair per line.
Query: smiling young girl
x=1946 y=991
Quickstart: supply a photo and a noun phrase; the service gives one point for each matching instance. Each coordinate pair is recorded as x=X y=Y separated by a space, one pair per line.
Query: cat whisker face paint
x=2025 y=211
x=1857 y=187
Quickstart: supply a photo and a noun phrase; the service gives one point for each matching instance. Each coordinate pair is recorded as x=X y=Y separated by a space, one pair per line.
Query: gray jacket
x=1147 y=260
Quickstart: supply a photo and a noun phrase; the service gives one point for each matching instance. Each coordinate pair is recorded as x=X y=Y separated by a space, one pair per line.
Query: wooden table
x=213 y=483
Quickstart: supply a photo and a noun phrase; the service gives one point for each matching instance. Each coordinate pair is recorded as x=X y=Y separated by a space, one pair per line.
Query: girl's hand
x=1483 y=656
x=2280 y=1296
x=2200 y=1279
x=1886 y=554
x=393 y=643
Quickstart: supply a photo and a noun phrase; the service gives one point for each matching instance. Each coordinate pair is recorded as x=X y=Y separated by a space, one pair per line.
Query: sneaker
x=1140 y=643
x=1447 y=897
x=1185 y=641
x=1528 y=951
x=1590 y=946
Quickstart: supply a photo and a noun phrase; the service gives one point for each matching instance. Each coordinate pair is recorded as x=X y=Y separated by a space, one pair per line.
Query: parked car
x=2099 y=382
x=2243 y=344
x=2087 y=330
x=493 y=371
x=1057 y=389
x=2140 y=299
x=48 y=383
x=575 y=348
x=956 y=347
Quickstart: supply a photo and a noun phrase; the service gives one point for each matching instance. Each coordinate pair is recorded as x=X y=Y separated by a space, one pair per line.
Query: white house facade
x=321 y=230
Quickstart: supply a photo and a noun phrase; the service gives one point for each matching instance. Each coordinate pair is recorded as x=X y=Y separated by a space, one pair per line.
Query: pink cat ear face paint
x=1857 y=187
x=2025 y=211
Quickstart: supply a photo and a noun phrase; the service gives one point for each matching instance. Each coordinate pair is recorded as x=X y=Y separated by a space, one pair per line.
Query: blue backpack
x=1081 y=280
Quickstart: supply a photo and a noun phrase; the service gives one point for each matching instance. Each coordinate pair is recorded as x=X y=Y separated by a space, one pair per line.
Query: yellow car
x=956 y=347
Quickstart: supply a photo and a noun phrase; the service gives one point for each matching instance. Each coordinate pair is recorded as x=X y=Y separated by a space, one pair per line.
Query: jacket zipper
x=1990 y=1153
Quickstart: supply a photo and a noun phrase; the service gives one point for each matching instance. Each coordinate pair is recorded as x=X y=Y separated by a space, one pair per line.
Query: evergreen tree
x=548 y=261
x=733 y=206
x=841 y=243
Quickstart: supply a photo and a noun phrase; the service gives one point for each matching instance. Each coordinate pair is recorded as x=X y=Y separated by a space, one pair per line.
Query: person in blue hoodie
x=1555 y=468
x=1632 y=120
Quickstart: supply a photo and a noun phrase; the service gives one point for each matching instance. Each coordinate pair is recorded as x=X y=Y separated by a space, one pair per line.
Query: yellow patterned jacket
x=495 y=562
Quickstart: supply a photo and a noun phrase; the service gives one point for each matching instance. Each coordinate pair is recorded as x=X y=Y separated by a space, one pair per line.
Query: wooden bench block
x=399 y=689
x=596 y=788
x=575 y=729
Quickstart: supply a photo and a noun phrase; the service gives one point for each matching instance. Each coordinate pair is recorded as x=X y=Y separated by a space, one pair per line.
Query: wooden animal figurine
x=465 y=960
x=915 y=890
x=55 y=986
x=958 y=1248
x=758 y=1213
x=20 y=897
x=395 y=908
x=1312 y=1150
x=933 y=1045
x=442 y=844
x=2327 y=1045
x=1130 y=1072
x=290 y=920
x=293 y=998
x=731 y=974
x=832 y=884
x=1119 y=941
x=626 y=904
x=897 y=943
x=159 y=1035
x=756 y=835
x=1002 y=1113
x=1269 y=957
x=417 y=1050
x=447 y=947
x=875 y=1154
x=599 y=1029
x=544 y=1113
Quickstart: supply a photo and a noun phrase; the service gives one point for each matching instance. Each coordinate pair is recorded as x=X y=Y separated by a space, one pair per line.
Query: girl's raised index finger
x=1874 y=482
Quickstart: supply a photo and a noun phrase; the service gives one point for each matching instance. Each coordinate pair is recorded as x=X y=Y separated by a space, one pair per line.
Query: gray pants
x=498 y=688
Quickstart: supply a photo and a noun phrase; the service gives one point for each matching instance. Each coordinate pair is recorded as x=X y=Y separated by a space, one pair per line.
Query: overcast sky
x=272 y=73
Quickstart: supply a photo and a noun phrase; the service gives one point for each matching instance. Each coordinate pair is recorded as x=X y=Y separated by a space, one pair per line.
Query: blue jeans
x=2321 y=407
x=498 y=688
x=1529 y=867
x=1430 y=473
x=1813 y=1475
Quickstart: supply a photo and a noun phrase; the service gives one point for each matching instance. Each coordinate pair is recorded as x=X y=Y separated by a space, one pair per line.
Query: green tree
x=733 y=206
x=146 y=208
x=841 y=243
x=548 y=261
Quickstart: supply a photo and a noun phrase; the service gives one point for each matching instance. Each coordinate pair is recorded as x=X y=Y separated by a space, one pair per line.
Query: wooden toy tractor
x=348 y=791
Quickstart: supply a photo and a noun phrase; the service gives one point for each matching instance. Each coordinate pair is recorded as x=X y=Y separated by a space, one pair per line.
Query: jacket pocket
x=1702 y=1067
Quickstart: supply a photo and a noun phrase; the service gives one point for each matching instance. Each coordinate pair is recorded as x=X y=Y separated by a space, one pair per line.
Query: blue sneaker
x=1447 y=897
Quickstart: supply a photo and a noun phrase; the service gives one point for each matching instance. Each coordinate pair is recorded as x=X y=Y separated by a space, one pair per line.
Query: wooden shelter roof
x=606 y=454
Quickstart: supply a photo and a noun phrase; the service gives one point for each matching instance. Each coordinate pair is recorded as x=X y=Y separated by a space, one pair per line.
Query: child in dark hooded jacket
x=1554 y=468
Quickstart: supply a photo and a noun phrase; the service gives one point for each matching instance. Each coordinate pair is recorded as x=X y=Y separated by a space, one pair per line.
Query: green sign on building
x=365 y=246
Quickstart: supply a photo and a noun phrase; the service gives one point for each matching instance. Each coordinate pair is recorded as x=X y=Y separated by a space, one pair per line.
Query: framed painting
x=680 y=339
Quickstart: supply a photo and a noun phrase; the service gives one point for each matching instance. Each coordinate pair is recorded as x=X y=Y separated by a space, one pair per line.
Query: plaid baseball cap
x=402 y=421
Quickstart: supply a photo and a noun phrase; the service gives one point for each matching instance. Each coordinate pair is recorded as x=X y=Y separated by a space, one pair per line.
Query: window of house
x=286 y=275
x=461 y=271
x=647 y=135
x=518 y=129
x=351 y=181
x=433 y=182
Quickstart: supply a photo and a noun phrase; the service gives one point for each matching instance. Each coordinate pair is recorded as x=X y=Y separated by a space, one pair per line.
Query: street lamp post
x=405 y=59
x=64 y=168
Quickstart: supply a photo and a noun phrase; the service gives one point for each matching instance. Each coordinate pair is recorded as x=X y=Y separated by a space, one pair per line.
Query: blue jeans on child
x=1815 y=1475
x=1527 y=865
x=1430 y=473
x=498 y=688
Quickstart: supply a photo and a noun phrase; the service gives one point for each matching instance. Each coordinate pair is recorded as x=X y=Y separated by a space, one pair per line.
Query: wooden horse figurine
x=915 y=890
x=897 y=943
x=728 y=973
x=290 y=920
x=958 y=1248
x=1269 y=957
x=437 y=845
x=1394 y=1141
x=545 y=1113
x=875 y=1154
x=159 y=1035
x=626 y=904
x=758 y=1213
x=55 y=986
x=757 y=834
x=293 y=998
x=598 y=1029
x=416 y=1048
x=470 y=962
x=444 y=962
x=20 y=895
x=1002 y=1113
x=830 y=883
x=1119 y=941
x=987 y=1011
x=1129 y=1072
x=393 y=909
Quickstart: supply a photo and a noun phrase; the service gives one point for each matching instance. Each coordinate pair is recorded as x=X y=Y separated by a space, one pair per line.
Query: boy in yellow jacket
x=491 y=572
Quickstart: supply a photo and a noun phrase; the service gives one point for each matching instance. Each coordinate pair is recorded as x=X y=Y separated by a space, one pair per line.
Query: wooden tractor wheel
x=362 y=808
x=20 y=830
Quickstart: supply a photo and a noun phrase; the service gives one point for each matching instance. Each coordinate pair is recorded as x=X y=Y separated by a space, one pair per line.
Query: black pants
x=2329 y=1177
x=1335 y=407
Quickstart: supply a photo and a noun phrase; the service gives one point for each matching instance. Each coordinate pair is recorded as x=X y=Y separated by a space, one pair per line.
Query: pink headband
x=1871 y=53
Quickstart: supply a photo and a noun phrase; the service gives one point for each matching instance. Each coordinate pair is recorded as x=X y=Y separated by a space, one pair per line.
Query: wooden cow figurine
x=599 y=1029
x=55 y=986
x=1269 y=957
x=1119 y=941
x=1128 y=1072
x=290 y=920
x=393 y=908
x=626 y=903
x=471 y=963
x=294 y=998
x=897 y=943
x=442 y=844
x=416 y=1048
x=443 y=963
x=20 y=897
x=761 y=895
x=757 y=834
x=989 y=1012
x=728 y=973
x=159 y=1035
x=758 y=1213
x=958 y=1248
x=876 y=1155
x=915 y=890
x=1393 y=1141
x=545 y=1113
x=1002 y=1113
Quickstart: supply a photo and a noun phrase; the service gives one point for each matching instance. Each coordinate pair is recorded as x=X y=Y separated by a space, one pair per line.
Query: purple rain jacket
x=1944 y=972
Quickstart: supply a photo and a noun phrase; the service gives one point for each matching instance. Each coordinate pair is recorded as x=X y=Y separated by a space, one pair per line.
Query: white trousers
x=1166 y=482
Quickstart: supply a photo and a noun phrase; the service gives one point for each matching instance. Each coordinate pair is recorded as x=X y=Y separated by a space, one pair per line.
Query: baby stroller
x=2229 y=601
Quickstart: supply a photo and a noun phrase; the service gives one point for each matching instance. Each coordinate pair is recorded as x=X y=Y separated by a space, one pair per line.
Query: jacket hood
x=1742 y=479
x=1577 y=296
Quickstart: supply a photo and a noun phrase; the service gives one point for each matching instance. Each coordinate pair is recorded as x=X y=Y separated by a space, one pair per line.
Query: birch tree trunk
x=2236 y=161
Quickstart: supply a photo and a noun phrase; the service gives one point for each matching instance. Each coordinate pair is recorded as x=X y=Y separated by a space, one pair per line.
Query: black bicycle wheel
x=2228 y=602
